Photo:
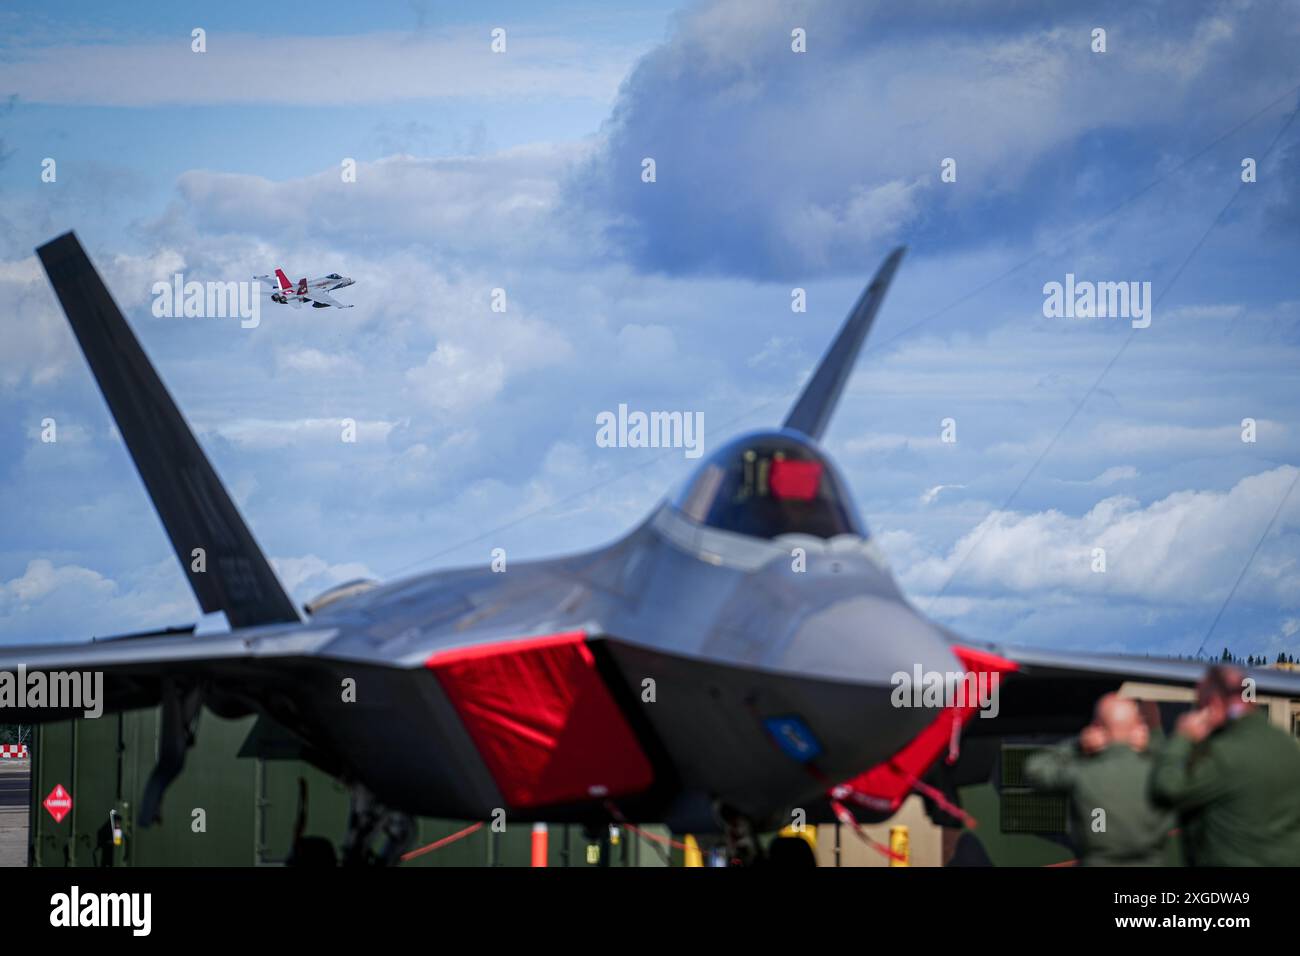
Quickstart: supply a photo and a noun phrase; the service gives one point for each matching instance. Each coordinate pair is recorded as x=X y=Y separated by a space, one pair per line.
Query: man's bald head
x=1118 y=716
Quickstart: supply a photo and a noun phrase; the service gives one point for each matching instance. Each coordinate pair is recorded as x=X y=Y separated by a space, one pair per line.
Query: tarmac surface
x=15 y=784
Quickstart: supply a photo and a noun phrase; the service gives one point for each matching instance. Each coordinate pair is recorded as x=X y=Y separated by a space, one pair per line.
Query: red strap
x=439 y=844
x=954 y=742
x=621 y=820
x=945 y=804
x=847 y=791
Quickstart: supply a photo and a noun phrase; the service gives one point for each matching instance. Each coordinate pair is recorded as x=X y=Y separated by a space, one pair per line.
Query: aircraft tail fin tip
x=812 y=411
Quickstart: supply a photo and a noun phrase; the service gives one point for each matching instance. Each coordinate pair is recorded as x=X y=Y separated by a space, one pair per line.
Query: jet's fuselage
x=713 y=643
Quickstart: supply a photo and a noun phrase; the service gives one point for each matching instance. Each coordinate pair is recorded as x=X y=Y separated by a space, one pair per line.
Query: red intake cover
x=543 y=720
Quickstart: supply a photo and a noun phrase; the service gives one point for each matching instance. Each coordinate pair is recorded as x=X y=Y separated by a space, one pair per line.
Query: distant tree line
x=1252 y=660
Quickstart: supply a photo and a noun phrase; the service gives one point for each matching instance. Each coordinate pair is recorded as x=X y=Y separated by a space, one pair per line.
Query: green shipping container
x=231 y=810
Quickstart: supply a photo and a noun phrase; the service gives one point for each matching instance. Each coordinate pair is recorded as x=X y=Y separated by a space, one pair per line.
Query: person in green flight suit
x=1233 y=778
x=1106 y=773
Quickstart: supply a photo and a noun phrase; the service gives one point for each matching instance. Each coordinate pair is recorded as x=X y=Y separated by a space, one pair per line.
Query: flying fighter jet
x=315 y=291
x=730 y=659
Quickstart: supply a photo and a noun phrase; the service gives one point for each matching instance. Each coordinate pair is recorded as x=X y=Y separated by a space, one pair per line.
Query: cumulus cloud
x=451 y=380
x=1186 y=548
x=52 y=601
x=42 y=578
x=472 y=365
x=771 y=162
x=38 y=345
x=503 y=203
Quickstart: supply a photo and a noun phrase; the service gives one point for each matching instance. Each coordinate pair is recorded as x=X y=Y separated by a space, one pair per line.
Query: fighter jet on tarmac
x=732 y=658
x=315 y=291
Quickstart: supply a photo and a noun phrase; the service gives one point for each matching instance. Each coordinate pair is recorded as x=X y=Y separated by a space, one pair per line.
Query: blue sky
x=775 y=170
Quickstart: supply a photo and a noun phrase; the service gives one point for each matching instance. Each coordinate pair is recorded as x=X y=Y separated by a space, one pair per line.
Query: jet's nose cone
x=871 y=658
x=869 y=639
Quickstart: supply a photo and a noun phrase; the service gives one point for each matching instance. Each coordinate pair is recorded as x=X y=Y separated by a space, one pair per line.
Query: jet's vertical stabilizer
x=225 y=567
x=813 y=410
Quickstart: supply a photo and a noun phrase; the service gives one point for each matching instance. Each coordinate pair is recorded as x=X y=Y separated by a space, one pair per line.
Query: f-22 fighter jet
x=315 y=291
x=732 y=659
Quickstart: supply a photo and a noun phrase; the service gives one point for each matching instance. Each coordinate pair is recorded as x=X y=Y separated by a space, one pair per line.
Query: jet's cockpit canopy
x=767 y=484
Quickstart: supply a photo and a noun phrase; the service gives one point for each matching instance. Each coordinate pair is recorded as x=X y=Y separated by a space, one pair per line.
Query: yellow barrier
x=693 y=855
x=899 y=845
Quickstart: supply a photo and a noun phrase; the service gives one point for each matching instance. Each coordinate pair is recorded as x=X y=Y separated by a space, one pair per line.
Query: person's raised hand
x=1092 y=739
x=1139 y=737
x=1195 y=725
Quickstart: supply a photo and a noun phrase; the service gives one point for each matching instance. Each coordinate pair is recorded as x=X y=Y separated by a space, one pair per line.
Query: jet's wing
x=324 y=298
x=135 y=667
x=268 y=671
x=1033 y=663
x=1046 y=691
x=1039 y=693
